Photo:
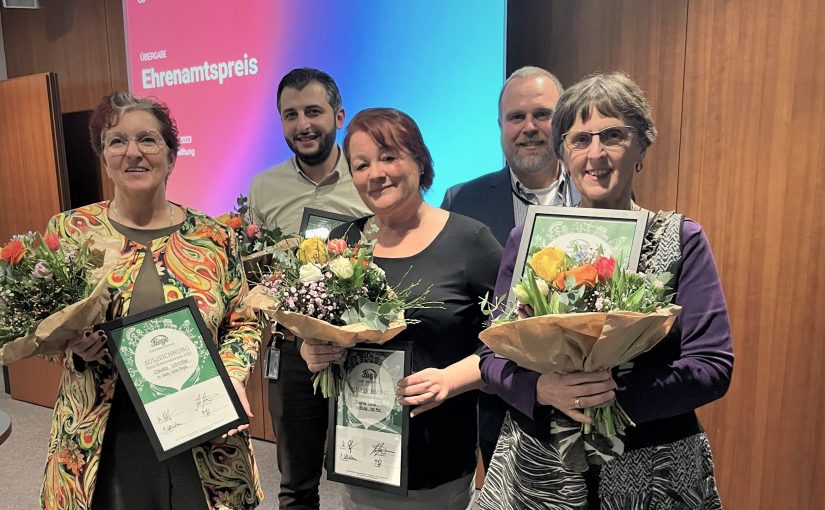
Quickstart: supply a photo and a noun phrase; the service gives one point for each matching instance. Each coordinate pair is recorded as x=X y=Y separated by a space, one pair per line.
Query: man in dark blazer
x=500 y=199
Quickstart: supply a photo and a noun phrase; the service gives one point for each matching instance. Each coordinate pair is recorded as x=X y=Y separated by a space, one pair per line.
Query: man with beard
x=500 y=199
x=317 y=176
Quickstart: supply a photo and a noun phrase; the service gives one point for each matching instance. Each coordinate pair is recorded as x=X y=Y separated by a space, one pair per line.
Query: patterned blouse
x=200 y=259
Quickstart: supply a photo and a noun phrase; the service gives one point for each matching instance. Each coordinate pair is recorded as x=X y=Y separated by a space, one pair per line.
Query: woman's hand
x=89 y=345
x=319 y=354
x=571 y=392
x=240 y=389
x=425 y=389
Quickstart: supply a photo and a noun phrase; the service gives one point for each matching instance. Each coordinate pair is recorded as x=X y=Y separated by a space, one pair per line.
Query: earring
x=638 y=166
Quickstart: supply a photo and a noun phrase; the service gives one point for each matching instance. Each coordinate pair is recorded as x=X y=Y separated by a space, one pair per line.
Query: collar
x=339 y=169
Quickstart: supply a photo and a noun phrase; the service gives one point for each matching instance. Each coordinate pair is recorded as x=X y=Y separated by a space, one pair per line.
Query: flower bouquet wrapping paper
x=582 y=312
x=49 y=292
x=335 y=293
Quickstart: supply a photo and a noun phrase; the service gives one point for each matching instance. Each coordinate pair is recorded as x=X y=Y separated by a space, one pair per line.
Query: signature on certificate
x=379 y=450
x=346 y=448
x=166 y=416
x=202 y=401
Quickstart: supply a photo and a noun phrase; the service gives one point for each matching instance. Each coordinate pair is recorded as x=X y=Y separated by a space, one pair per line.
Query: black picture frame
x=316 y=218
x=536 y=231
x=188 y=306
x=333 y=438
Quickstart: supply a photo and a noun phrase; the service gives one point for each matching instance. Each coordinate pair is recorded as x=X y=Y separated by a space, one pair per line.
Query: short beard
x=531 y=164
x=325 y=145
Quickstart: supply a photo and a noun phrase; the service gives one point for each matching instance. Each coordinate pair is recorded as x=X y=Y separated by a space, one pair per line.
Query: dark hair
x=301 y=77
x=116 y=104
x=394 y=130
x=613 y=95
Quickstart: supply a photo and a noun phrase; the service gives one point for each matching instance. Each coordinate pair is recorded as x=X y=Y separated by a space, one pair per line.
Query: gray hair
x=112 y=107
x=528 y=72
x=613 y=95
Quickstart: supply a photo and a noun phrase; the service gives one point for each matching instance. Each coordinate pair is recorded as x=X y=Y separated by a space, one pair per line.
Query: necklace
x=168 y=204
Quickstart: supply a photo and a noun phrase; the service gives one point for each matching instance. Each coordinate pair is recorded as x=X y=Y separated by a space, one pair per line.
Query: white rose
x=341 y=267
x=310 y=273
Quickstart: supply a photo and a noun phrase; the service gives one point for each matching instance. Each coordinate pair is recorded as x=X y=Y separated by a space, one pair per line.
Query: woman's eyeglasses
x=148 y=142
x=609 y=137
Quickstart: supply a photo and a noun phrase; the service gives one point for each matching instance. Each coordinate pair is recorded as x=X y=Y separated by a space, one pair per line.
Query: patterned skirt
x=527 y=473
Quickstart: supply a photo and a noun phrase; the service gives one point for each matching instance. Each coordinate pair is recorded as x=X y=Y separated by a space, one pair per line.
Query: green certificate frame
x=368 y=427
x=171 y=368
x=618 y=233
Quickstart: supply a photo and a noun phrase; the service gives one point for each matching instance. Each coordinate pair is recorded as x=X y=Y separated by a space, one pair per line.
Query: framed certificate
x=176 y=380
x=318 y=223
x=369 y=428
x=615 y=233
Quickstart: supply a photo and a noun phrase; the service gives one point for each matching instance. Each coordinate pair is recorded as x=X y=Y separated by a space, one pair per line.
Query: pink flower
x=605 y=267
x=52 y=241
x=41 y=271
x=252 y=231
x=336 y=246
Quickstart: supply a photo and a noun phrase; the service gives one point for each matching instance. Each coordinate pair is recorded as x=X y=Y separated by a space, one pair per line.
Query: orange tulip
x=13 y=252
x=586 y=274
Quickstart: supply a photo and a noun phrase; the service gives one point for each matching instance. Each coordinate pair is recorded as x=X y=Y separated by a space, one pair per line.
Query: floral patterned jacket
x=200 y=260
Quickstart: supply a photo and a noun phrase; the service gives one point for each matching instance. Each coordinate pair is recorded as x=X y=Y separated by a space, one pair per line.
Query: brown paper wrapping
x=52 y=334
x=303 y=326
x=578 y=342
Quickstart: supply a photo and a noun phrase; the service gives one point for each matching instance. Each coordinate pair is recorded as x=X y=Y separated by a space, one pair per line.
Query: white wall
x=3 y=74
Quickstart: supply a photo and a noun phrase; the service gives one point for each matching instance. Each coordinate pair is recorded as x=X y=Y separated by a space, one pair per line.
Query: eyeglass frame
x=598 y=134
x=135 y=138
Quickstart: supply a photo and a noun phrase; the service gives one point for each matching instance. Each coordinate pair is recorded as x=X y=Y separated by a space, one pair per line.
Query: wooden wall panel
x=67 y=37
x=737 y=91
x=753 y=142
x=643 y=38
x=32 y=165
x=80 y=40
x=35 y=187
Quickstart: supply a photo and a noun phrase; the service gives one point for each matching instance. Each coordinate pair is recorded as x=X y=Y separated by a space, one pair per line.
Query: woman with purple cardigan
x=601 y=129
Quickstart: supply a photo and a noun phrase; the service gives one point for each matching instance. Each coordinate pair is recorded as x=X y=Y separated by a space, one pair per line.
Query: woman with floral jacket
x=99 y=454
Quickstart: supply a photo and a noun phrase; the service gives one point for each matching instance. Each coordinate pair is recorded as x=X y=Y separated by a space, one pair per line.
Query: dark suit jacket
x=488 y=199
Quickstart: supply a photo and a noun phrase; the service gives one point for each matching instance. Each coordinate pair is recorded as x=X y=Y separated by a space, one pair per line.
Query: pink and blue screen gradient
x=440 y=62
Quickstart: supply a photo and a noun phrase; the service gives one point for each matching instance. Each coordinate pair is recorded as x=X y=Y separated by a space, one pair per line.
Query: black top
x=461 y=266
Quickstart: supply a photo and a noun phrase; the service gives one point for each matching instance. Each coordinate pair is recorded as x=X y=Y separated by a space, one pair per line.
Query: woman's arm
x=240 y=332
x=515 y=385
x=702 y=372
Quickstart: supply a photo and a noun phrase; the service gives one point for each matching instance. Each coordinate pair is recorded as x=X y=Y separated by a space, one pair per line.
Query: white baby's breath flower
x=377 y=269
x=341 y=267
x=310 y=273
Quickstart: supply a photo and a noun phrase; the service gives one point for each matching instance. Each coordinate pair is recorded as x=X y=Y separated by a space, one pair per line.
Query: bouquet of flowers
x=48 y=292
x=581 y=312
x=256 y=242
x=335 y=293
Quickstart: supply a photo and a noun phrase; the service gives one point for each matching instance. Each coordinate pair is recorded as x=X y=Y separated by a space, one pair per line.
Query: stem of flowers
x=608 y=420
x=329 y=380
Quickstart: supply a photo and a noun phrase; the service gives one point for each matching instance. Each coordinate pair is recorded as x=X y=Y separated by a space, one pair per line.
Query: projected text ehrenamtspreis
x=221 y=71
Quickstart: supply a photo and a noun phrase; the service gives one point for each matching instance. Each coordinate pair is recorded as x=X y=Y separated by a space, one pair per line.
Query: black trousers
x=131 y=477
x=299 y=418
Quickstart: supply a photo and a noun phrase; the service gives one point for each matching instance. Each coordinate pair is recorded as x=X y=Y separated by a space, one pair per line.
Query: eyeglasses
x=609 y=137
x=148 y=142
